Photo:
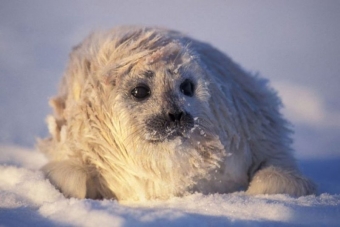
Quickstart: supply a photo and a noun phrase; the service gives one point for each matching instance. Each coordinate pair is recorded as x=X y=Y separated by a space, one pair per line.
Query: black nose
x=175 y=116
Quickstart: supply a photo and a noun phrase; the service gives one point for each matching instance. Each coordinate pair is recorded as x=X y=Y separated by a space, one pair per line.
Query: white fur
x=99 y=148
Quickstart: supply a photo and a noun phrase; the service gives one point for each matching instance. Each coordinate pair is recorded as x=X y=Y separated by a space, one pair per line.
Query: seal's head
x=160 y=89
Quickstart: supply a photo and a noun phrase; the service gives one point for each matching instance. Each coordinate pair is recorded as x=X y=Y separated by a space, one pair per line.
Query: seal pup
x=148 y=113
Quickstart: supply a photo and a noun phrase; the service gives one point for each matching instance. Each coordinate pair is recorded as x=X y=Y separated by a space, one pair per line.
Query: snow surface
x=295 y=44
x=27 y=199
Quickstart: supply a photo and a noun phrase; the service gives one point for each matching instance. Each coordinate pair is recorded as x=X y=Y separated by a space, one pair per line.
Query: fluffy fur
x=205 y=125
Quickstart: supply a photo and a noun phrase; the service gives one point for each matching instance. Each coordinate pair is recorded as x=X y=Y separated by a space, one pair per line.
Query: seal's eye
x=187 y=88
x=140 y=92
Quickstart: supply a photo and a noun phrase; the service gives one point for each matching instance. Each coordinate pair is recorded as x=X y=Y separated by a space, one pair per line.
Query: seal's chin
x=157 y=137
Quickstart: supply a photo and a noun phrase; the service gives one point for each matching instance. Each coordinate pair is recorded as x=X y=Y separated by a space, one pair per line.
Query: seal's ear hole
x=187 y=88
x=110 y=80
x=87 y=65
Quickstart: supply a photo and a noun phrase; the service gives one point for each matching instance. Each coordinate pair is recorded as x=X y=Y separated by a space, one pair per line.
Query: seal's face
x=164 y=99
x=173 y=119
x=159 y=102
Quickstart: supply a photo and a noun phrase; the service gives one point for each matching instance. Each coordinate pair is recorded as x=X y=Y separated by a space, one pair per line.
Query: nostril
x=175 y=116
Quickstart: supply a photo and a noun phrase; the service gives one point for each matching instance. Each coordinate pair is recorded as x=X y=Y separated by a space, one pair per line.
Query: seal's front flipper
x=69 y=177
x=275 y=180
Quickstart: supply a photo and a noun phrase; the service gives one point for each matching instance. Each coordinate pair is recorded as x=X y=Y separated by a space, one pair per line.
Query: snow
x=296 y=44
x=28 y=199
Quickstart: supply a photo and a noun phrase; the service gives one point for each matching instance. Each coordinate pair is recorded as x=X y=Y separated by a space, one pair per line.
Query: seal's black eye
x=140 y=92
x=187 y=88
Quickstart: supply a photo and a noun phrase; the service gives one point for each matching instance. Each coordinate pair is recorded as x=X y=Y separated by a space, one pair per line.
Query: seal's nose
x=176 y=116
